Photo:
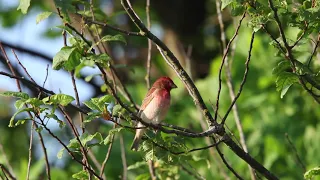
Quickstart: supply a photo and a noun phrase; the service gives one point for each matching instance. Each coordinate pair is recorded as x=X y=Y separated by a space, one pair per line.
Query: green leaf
x=23 y=6
x=150 y=155
x=55 y=117
x=73 y=143
x=137 y=165
x=144 y=176
x=20 y=95
x=62 y=99
x=91 y=105
x=60 y=153
x=281 y=67
x=92 y=115
x=284 y=81
x=67 y=58
x=117 y=37
x=11 y=124
x=81 y=175
x=42 y=16
x=116 y=109
x=98 y=103
x=108 y=139
x=85 y=138
x=89 y=78
x=312 y=172
x=34 y=102
x=21 y=121
x=225 y=3
x=19 y=103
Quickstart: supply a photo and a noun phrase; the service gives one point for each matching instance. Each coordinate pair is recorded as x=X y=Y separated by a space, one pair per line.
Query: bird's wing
x=147 y=99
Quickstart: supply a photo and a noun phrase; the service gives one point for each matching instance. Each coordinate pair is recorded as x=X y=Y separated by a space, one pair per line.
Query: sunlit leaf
x=42 y=16
x=23 y=6
x=81 y=175
x=312 y=172
x=11 y=124
x=284 y=81
x=62 y=99
x=67 y=58
x=20 y=95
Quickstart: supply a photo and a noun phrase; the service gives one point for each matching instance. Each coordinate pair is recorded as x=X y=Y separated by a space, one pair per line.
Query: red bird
x=154 y=106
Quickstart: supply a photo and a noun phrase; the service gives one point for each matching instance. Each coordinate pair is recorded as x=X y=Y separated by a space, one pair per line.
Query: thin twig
x=225 y=161
x=247 y=158
x=123 y=157
x=77 y=99
x=243 y=80
x=314 y=51
x=46 y=78
x=66 y=148
x=30 y=150
x=294 y=149
x=34 y=125
x=223 y=61
x=9 y=171
x=186 y=152
x=114 y=28
x=191 y=173
x=108 y=153
x=230 y=85
x=149 y=45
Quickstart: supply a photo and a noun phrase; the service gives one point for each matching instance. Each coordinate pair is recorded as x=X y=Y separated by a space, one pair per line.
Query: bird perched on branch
x=154 y=106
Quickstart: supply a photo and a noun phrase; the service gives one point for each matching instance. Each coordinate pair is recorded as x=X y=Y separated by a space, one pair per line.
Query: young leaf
x=284 y=81
x=81 y=175
x=67 y=58
x=312 y=172
x=60 y=153
x=20 y=95
x=23 y=6
x=91 y=105
x=116 y=109
x=62 y=99
x=281 y=67
x=92 y=115
x=42 y=16
x=137 y=165
x=34 y=102
x=85 y=138
x=225 y=3
x=108 y=139
x=74 y=143
x=11 y=124
x=19 y=103
x=117 y=37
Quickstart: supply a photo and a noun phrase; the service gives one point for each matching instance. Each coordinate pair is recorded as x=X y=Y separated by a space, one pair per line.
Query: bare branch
x=149 y=45
x=222 y=63
x=243 y=80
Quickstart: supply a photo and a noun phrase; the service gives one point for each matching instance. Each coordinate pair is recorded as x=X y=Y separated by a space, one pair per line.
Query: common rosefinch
x=154 y=106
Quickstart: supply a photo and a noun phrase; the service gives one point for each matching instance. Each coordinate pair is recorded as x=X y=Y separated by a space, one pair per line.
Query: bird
x=154 y=107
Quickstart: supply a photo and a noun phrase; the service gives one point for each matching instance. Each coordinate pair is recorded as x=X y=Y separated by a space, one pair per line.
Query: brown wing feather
x=147 y=99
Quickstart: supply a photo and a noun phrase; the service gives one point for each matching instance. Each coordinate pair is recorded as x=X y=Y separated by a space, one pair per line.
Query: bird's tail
x=135 y=144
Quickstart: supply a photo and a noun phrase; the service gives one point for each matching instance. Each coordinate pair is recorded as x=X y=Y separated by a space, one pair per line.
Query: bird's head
x=164 y=82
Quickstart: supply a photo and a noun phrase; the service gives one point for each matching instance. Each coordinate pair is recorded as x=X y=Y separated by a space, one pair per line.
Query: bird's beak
x=173 y=86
